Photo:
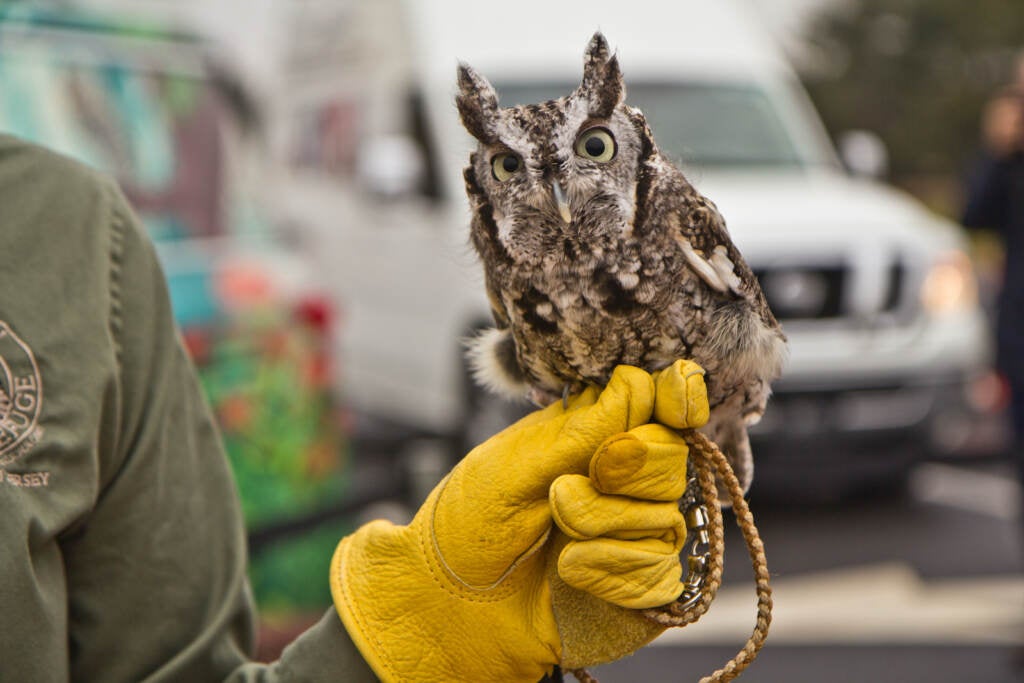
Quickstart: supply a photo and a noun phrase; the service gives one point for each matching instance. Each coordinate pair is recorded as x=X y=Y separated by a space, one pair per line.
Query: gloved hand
x=620 y=530
x=464 y=592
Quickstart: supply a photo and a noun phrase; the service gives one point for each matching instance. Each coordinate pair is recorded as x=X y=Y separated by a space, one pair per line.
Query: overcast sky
x=785 y=16
x=252 y=30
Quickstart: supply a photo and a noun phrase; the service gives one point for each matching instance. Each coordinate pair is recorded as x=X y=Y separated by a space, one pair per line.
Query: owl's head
x=558 y=168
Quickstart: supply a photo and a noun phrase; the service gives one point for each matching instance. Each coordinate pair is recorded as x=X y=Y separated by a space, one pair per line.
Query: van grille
x=820 y=292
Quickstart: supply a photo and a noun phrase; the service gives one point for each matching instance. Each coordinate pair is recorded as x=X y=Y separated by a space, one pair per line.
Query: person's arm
x=157 y=578
x=121 y=544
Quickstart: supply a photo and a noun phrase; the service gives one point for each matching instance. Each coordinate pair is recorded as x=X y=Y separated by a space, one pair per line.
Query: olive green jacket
x=122 y=552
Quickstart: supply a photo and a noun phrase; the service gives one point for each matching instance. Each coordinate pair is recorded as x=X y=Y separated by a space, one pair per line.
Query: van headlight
x=949 y=285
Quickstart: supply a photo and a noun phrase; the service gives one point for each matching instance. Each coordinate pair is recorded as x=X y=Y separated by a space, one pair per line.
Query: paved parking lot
x=925 y=587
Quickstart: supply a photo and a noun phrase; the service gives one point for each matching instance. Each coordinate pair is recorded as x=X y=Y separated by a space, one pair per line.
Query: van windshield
x=697 y=123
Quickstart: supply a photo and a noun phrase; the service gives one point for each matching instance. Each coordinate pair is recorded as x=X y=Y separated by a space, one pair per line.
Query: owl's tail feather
x=493 y=362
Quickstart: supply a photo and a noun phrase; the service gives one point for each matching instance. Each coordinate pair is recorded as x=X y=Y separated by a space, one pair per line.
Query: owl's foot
x=543 y=398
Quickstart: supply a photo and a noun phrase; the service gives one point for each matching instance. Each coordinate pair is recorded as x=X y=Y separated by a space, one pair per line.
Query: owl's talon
x=565 y=397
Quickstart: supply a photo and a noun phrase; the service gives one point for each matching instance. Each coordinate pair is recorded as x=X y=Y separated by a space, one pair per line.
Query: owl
x=598 y=252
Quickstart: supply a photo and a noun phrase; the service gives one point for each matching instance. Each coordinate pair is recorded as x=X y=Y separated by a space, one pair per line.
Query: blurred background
x=298 y=163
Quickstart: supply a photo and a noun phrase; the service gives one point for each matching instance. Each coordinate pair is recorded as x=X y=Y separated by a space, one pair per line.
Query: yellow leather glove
x=625 y=540
x=620 y=530
x=463 y=592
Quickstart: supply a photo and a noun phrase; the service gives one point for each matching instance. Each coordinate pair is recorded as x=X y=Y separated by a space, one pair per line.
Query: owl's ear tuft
x=478 y=104
x=597 y=50
x=602 y=84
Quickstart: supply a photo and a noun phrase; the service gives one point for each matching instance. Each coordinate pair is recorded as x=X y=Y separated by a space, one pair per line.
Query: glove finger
x=492 y=512
x=648 y=462
x=681 y=396
x=557 y=440
x=582 y=512
x=584 y=399
x=626 y=402
x=633 y=574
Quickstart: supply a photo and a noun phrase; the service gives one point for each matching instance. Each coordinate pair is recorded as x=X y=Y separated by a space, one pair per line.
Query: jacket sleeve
x=157 y=585
x=987 y=195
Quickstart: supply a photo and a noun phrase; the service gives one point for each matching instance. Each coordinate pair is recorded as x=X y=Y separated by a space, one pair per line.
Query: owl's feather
x=493 y=363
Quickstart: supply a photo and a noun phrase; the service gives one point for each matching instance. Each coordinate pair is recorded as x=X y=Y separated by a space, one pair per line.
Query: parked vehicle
x=149 y=104
x=875 y=293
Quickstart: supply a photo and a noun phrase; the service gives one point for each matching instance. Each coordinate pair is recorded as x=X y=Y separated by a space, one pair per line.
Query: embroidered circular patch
x=21 y=396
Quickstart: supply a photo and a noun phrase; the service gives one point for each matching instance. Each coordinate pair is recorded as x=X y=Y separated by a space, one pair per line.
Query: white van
x=875 y=293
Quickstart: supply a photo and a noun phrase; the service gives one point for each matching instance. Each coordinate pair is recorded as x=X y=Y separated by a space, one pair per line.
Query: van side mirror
x=863 y=153
x=391 y=166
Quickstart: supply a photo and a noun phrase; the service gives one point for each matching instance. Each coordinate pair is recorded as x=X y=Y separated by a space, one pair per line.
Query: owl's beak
x=561 y=201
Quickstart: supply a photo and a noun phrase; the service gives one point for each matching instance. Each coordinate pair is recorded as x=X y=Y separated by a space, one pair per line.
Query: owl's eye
x=504 y=165
x=596 y=144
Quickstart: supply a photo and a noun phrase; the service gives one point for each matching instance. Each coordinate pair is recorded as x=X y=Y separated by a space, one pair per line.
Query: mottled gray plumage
x=598 y=252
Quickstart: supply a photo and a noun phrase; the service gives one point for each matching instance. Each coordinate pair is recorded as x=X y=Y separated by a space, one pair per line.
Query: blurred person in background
x=995 y=200
x=124 y=552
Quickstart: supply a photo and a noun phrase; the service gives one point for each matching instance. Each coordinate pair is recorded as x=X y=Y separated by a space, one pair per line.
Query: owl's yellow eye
x=504 y=165
x=596 y=144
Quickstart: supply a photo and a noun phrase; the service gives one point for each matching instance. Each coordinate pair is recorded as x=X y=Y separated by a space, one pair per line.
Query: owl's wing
x=492 y=353
x=699 y=231
x=498 y=310
x=483 y=235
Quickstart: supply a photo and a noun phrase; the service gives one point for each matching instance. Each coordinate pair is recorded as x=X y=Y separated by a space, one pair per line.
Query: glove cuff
x=592 y=631
x=347 y=604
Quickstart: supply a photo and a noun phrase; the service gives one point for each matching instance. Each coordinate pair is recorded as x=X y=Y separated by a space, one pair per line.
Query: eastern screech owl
x=598 y=252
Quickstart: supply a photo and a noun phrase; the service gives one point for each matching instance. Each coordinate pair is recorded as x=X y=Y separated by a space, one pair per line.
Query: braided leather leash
x=705 y=551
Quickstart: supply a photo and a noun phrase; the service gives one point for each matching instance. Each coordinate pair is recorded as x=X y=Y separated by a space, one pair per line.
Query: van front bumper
x=821 y=443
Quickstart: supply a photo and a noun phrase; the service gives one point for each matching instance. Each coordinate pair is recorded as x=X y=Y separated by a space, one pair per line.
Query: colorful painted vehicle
x=151 y=107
